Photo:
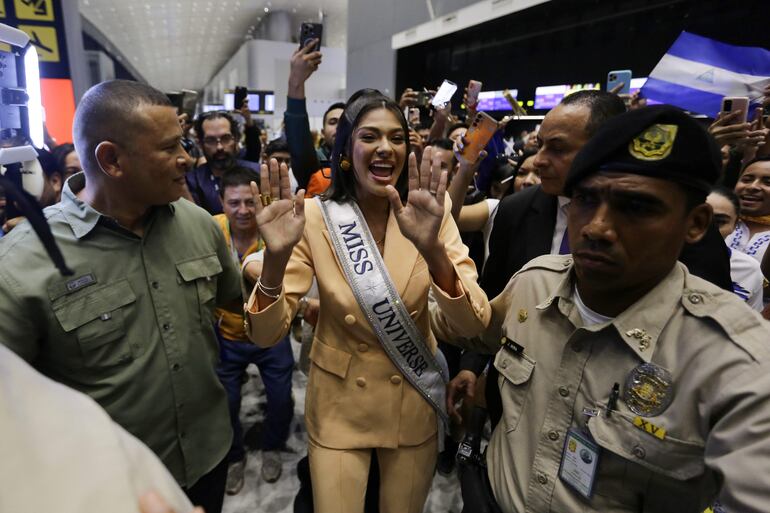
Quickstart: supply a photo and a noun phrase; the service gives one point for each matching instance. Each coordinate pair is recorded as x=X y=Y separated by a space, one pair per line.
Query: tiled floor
x=258 y=496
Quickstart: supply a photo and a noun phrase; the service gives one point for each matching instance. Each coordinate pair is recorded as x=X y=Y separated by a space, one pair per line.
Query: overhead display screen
x=548 y=97
x=494 y=100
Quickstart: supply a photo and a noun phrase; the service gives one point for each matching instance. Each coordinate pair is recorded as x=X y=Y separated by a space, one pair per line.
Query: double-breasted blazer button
x=361 y=382
x=396 y=380
x=350 y=320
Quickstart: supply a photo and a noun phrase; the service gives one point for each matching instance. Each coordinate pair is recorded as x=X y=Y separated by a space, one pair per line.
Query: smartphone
x=310 y=31
x=472 y=97
x=240 y=94
x=734 y=103
x=478 y=135
x=423 y=98
x=444 y=94
x=616 y=77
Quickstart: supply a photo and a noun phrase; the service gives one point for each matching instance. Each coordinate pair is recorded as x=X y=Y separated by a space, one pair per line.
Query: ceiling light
x=267 y=9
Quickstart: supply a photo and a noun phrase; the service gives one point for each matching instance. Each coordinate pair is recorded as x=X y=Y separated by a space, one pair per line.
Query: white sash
x=380 y=302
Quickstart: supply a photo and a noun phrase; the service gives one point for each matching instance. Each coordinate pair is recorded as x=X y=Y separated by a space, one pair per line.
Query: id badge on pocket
x=579 y=461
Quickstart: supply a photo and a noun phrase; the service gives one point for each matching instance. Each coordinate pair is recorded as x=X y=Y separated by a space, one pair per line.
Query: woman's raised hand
x=420 y=219
x=280 y=215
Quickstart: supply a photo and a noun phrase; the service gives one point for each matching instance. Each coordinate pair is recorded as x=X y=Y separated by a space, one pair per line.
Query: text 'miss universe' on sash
x=375 y=293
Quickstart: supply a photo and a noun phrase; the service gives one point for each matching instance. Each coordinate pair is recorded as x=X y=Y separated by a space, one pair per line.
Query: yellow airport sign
x=44 y=39
x=2 y=8
x=38 y=10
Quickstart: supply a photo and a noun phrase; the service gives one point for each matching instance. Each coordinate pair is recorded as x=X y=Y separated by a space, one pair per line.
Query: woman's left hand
x=420 y=219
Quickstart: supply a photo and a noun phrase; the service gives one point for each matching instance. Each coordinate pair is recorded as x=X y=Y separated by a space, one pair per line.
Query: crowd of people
x=574 y=319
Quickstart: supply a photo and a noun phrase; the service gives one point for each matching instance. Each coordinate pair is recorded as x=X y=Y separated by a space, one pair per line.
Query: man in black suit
x=532 y=222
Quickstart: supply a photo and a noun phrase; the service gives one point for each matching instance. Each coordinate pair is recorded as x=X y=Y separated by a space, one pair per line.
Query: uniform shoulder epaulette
x=557 y=263
x=741 y=324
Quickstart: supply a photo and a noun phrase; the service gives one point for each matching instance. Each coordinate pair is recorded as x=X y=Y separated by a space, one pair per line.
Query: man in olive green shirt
x=133 y=326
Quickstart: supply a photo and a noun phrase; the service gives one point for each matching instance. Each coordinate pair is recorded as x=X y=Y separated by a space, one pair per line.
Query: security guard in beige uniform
x=628 y=384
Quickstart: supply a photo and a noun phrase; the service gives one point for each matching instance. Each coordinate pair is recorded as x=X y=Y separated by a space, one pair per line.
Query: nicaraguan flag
x=697 y=72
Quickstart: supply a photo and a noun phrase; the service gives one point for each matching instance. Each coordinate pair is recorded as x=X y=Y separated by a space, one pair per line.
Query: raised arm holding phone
x=304 y=62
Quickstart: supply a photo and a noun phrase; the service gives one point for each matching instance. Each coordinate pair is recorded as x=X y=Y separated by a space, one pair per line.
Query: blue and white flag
x=697 y=72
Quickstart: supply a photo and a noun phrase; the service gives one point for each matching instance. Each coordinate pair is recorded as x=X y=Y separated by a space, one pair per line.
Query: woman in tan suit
x=371 y=386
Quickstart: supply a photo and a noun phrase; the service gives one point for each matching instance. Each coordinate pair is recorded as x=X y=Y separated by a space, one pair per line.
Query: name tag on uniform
x=80 y=282
x=579 y=461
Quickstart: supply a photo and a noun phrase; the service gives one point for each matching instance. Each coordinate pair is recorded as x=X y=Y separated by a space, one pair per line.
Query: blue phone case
x=618 y=76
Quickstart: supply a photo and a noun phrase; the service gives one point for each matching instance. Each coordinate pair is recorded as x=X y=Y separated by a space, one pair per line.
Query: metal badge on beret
x=649 y=390
x=654 y=143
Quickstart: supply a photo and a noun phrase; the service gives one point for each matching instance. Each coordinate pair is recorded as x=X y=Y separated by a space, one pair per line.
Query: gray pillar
x=277 y=26
x=75 y=53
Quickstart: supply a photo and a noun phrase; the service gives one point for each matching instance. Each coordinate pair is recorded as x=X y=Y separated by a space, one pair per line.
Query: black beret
x=658 y=141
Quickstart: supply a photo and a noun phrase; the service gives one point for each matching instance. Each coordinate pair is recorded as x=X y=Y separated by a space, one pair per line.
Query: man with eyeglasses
x=219 y=136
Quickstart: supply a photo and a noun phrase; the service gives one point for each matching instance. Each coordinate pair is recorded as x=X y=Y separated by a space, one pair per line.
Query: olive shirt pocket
x=96 y=317
x=202 y=273
x=514 y=382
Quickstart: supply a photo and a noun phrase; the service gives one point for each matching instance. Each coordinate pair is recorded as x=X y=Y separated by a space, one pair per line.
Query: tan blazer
x=356 y=397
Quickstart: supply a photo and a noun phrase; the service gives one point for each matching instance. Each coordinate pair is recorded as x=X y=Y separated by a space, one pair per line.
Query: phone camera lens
x=728 y=104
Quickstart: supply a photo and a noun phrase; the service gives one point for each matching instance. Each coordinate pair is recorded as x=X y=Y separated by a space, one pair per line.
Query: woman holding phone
x=377 y=382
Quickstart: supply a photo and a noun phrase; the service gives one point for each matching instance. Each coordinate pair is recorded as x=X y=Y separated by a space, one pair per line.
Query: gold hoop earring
x=344 y=164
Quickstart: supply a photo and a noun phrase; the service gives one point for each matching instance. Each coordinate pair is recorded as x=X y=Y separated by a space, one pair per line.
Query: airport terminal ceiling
x=178 y=44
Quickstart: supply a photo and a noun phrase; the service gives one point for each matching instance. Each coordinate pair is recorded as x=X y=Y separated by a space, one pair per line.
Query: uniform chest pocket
x=201 y=273
x=97 y=318
x=668 y=456
x=514 y=382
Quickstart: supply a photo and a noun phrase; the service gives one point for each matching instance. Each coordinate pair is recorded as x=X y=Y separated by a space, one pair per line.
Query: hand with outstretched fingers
x=280 y=214
x=420 y=219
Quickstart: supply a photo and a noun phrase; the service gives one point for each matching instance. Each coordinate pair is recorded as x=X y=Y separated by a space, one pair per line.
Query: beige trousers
x=339 y=477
